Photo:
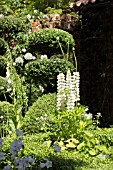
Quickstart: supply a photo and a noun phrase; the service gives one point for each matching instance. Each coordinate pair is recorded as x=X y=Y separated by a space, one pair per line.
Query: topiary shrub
x=46 y=41
x=44 y=72
x=40 y=114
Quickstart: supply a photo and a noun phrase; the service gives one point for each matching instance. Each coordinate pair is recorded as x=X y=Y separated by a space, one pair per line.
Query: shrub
x=40 y=114
x=10 y=26
x=44 y=72
x=46 y=41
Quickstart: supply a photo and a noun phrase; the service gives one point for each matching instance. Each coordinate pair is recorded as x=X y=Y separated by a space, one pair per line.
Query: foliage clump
x=40 y=114
x=46 y=41
x=44 y=72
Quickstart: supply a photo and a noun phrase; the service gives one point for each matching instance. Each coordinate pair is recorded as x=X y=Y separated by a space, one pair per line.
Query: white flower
x=41 y=88
x=19 y=60
x=86 y=109
x=88 y=116
x=1 y=16
x=28 y=16
x=57 y=38
x=44 y=57
x=14 y=64
x=1 y=117
x=71 y=5
x=99 y=114
x=35 y=11
x=8 y=90
x=9 y=81
x=23 y=50
x=29 y=56
x=61 y=97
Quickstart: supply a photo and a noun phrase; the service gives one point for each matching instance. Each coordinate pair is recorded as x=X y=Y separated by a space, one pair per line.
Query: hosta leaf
x=75 y=141
x=93 y=152
x=89 y=134
x=81 y=145
x=70 y=145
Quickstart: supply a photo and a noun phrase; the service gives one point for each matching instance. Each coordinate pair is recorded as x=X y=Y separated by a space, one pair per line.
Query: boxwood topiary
x=44 y=72
x=45 y=41
x=40 y=115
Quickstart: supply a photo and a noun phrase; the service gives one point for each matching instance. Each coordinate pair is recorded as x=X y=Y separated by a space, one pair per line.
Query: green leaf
x=93 y=152
x=81 y=145
x=70 y=145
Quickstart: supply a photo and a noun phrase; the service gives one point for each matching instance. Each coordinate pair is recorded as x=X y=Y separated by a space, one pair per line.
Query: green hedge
x=40 y=114
x=44 y=72
x=45 y=41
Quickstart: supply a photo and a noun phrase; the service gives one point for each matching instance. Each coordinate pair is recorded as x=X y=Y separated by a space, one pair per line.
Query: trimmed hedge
x=44 y=72
x=45 y=41
x=40 y=114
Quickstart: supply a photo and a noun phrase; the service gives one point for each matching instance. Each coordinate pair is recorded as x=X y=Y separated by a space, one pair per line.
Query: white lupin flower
x=76 y=81
x=61 y=97
x=19 y=60
x=68 y=91
x=44 y=56
x=29 y=56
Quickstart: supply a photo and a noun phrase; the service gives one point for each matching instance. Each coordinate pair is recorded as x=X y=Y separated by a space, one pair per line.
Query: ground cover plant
x=42 y=123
